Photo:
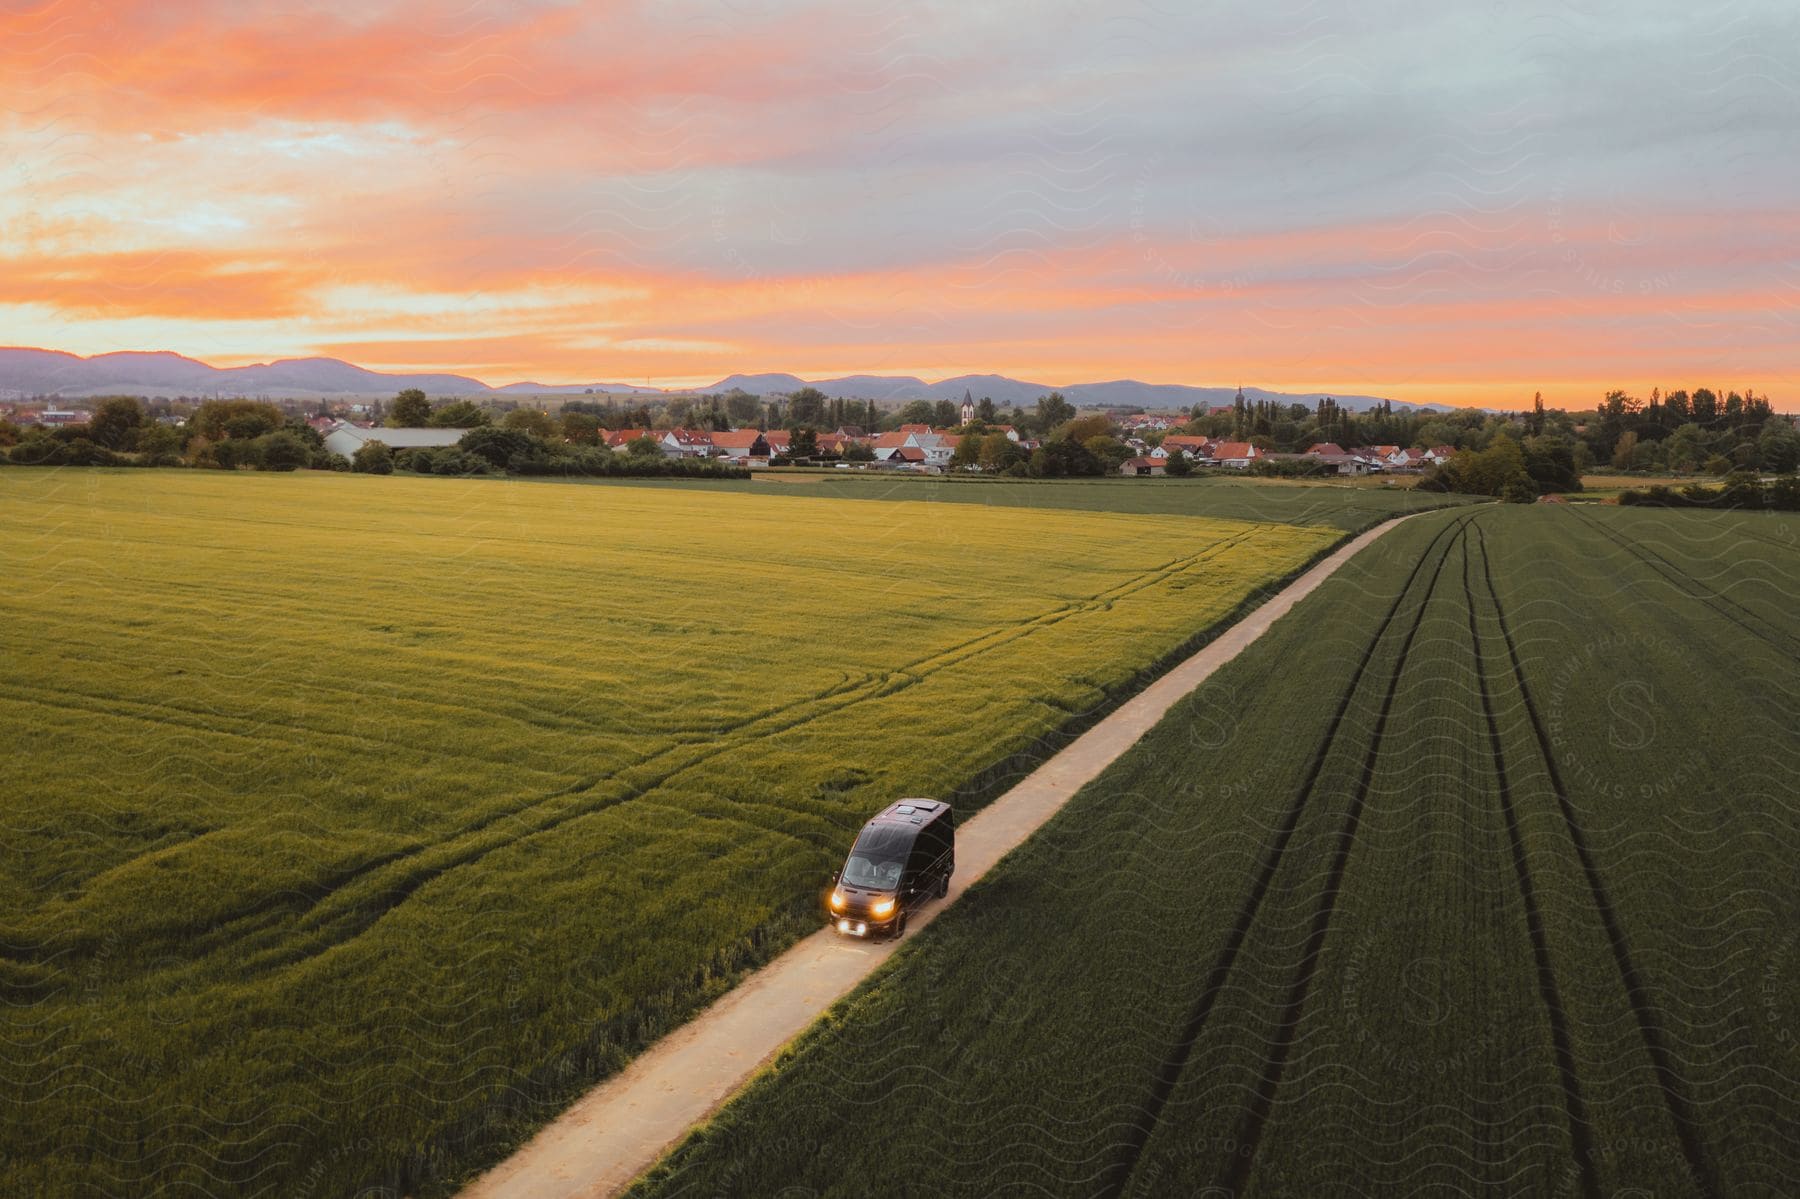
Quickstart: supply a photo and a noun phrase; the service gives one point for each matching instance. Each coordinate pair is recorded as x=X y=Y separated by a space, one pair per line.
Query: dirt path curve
x=618 y=1130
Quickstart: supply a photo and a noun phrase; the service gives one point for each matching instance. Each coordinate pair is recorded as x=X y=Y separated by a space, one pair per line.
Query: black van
x=901 y=858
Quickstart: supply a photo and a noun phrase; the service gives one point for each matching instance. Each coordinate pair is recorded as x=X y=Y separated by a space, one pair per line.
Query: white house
x=934 y=448
x=346 y=438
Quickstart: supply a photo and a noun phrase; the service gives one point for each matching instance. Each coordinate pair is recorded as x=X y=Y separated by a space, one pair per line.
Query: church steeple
x=968 y=407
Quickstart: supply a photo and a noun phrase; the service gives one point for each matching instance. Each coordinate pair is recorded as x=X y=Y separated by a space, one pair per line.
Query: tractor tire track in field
x=339 y=928
x=1581 y=1135
x=1643 y=1009
x=275 y=932
x=1695 y=589
x=1172 y=1067
x=1287 y=1025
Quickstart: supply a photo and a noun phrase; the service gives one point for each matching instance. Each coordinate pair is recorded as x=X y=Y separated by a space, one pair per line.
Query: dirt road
x=618 y=1130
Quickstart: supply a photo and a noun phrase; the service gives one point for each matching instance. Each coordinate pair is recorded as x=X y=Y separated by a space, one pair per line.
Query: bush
x=373 y=458
x=420 y=459
x=1742 y=491
x=460 y=414
x=284 y=450
x=233 y=453
x=455 y=461
x=50 y=451
x=1058 y=459
x=117 y=422
x=158 y=445
x=1289 y=468
x=497 y=446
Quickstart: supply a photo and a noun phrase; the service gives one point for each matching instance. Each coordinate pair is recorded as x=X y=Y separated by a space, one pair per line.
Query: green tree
x=210 y=420
x=858 y=451
x=1780 y=451
x=580 y=428
x=644 y=447
x=998 y=451
x=372 y=458
x=804 y=444
x=1179 y=465
x=806 y=407
x=967 y=452
x=1109 y=450
x=1622 y=450
x=159 y=445
x=116 y=422
x=411 y=410
x=1053 y=410
x=499 y=446
x=984 y=410
x=918 y=412
x=247 y=426
x=283 y=450
x=742 y=407
x=532 y=421
x=460 y=414
x=1084 y=428
x=1060 y=457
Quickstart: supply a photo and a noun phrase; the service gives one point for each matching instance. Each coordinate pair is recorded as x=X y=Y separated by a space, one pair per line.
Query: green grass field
x=1351 y=505
x=1476 y=874
x=354 y=823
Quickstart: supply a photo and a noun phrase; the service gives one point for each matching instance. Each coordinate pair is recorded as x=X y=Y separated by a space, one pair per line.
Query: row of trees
x=1741 y=490
x=248 y=434
x=494 y=449
x=219 y=433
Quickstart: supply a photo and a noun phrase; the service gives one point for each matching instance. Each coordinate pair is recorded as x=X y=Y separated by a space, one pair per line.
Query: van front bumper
x=863 y=926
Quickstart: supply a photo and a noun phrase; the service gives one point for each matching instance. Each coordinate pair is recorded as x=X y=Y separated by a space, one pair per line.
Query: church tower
x=968 y=407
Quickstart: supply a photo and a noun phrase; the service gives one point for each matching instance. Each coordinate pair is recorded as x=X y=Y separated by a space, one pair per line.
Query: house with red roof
x=687 y=443
x=1135 y=467
x=1185 y=443
x=744 y=446
x=934 y=448
x=1234 y=454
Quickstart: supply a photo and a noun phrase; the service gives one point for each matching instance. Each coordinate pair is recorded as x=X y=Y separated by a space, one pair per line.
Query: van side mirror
x=837 y=874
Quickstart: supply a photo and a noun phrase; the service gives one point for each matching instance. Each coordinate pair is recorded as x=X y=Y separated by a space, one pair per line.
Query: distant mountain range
x=52 y=372
x=1007 y=392
x=162 y=373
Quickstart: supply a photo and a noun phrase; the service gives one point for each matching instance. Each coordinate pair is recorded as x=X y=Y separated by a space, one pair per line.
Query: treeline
x=494 y=450
x=1741 y=490
x=227 y=434
x=252 y=435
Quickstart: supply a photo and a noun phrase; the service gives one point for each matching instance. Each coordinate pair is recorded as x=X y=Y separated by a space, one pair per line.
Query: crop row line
x=1694 y=589
x=1173 y=1065
x=1580 y=1134
x=1637 y=994
x=1262 y=1100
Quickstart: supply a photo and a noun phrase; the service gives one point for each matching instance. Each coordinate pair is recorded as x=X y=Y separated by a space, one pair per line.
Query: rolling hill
x=34 y=372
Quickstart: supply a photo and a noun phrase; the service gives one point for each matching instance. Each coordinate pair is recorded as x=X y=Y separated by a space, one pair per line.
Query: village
x=924 y=448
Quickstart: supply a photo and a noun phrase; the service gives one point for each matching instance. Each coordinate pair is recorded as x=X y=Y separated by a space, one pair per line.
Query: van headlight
x=881 y=907
x=837 y=899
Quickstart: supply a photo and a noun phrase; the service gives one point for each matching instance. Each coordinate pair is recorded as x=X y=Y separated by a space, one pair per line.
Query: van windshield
x=878 y=857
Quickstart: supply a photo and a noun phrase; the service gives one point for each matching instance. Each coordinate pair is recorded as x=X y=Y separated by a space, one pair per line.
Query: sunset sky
x=1436 y=201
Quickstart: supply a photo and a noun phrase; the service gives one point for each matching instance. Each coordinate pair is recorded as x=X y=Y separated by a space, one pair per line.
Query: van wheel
x=943 y=886
x=900 y=927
